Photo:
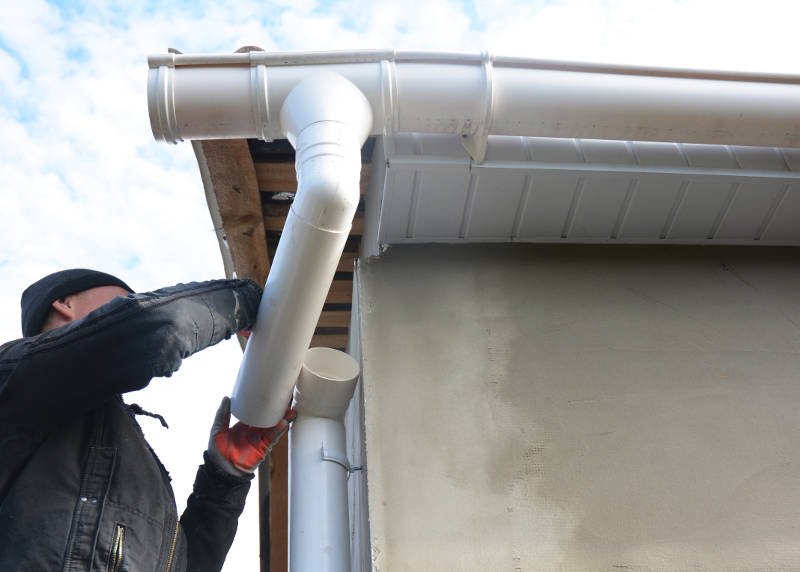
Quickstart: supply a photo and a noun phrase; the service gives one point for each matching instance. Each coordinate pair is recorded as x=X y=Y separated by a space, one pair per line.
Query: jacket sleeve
x=117 y=348
x=211 y=516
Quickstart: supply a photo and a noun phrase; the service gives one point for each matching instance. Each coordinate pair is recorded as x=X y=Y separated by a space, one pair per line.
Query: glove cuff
x=218 y=460
x=213 y=469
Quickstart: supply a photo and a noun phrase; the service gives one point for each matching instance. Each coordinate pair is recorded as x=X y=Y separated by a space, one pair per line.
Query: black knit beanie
x=37 y=298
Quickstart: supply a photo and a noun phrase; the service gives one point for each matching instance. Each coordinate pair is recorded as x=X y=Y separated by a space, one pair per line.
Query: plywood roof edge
x=213 y=208
x=233 y=198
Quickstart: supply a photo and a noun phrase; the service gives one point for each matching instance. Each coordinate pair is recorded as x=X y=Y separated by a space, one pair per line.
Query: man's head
x=66 y=296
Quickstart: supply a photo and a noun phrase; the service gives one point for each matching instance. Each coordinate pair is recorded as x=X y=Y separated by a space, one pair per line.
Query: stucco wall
x=582 y=408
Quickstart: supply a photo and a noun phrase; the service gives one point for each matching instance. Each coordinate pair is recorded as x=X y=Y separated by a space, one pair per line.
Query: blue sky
x=83 y=183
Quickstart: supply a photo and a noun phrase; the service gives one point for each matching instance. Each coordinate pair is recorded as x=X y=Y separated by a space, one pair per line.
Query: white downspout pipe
x=319 y=537
x=327 y=119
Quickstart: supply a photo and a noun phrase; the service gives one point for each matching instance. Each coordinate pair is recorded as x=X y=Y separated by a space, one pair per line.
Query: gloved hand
x=239 y=450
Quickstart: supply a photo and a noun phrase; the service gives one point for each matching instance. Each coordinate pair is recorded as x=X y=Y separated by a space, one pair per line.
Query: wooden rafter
x=228 y=173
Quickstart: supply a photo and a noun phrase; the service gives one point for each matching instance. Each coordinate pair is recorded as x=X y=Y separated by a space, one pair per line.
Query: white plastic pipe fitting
x=319 y=539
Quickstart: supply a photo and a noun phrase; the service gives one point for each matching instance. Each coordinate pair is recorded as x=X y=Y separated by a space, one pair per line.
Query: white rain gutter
x=238 y=95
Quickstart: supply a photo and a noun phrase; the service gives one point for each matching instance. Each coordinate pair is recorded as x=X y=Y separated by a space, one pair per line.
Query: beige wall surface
x=560 y=408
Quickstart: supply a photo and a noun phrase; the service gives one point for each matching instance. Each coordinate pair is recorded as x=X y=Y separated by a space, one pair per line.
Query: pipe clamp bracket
x=339 y=459
x=475 y=143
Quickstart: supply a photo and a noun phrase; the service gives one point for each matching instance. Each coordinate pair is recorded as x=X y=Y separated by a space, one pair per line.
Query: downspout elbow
x=327 y=119
x=328 y=176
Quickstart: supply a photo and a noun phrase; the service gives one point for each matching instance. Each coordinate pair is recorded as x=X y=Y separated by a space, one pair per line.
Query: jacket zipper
x=118 y=549
x=172 y=549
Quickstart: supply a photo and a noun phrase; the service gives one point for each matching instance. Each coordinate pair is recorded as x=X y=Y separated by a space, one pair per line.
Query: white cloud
x=82 y=183
x=693 y=34
x=11 y=81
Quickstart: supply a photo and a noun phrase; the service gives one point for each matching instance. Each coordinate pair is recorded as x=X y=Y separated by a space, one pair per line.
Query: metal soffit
x=532 y=189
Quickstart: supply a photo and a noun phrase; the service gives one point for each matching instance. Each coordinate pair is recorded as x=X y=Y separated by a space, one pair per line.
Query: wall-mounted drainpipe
x=327 y=119
x=319 y=538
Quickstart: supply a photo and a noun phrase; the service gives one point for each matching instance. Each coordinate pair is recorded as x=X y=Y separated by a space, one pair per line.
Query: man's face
x=91 y=299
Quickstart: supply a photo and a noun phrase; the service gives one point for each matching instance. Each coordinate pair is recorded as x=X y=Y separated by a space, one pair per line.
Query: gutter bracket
x=390 y=111
x=475 y=143
x=260 y=100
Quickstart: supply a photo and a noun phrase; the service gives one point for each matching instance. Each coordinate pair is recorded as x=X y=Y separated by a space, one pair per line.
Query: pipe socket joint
x=326 y=383
x=328 y=170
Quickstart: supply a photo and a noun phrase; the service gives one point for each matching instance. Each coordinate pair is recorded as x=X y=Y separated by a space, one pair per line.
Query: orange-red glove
x=240 y=449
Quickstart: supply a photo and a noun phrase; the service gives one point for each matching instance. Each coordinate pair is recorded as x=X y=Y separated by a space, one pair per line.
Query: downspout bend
x=327 y=119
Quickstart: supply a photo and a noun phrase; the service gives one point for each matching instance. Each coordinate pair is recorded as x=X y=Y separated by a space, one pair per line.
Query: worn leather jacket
x=80 y=489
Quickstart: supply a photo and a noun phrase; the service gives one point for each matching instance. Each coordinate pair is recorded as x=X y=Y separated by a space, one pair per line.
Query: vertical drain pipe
x=319 y=537
x=327 y=119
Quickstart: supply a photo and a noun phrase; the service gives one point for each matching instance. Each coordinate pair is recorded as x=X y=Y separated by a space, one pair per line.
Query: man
x=80 y=488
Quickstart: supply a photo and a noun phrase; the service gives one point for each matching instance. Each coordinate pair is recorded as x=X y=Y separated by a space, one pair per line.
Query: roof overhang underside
x=425 y=188
x=419 y=188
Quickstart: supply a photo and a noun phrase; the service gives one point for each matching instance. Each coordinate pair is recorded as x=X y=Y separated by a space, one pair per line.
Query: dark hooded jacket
x=80 y=489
